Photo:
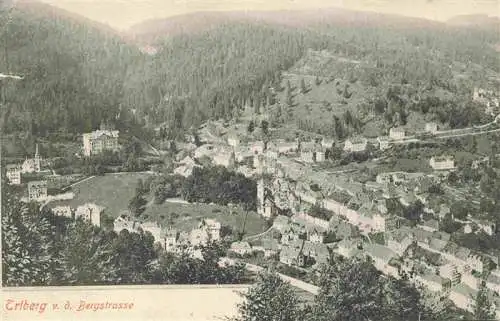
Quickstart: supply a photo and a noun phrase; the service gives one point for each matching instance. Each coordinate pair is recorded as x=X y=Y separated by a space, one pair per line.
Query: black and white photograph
x=250 y=160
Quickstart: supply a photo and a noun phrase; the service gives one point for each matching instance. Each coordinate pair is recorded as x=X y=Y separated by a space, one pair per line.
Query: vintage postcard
x=250 y=160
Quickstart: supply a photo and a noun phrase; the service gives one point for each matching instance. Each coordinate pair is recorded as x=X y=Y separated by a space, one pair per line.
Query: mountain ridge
x=151 y=30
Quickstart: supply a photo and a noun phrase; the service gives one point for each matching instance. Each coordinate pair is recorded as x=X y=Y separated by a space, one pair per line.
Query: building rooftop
x=13 y=167
x=100 y=133
x=397 y=130
x=444 y=158
x=270 y=244
x=380 y=251
x=383 y=138
x=434 y=278
x=37 y=184
x=358 y=140
x=241 y=246
x=464 y=290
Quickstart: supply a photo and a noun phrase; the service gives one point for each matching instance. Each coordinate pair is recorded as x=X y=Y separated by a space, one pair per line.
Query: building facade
x=99 y=141
x=13 y=173
x=37 y=190
x=442 y=162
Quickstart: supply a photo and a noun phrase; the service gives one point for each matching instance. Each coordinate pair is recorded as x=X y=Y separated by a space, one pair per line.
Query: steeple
x=36 y=152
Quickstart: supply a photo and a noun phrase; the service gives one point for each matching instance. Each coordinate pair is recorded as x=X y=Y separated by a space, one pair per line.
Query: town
x=346 y=170
x=398 y=219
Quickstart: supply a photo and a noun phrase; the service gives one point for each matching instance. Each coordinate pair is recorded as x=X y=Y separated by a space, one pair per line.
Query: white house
x=153 y=228
x=397 y=133
x=171 y=237
x=124 y=222
x=62 y=211
x=475 y=262
x=327 y=142
x=431 y=128
x=13 y=173
x=212 y=227
x=285 y=147
x=241 y=248
x=433 y=282
x=89 y=212
x=307 y=154
x=357 y=144
x=450 y=271
x=399 y=242
x=272 y=152
x=383 y=142
x=442 y=162
x=320 y=155
x=268 y=210
x=316 y=235
x=198 y=237
x=487 y=227
x=233 y=139
x=225 y=158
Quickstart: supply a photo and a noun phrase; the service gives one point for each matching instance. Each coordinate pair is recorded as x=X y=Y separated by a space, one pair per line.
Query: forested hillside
x=78 y=74
x=403 y=70
x=73 y=71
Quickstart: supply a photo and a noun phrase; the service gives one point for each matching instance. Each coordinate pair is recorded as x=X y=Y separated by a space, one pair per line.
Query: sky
x=122 y=14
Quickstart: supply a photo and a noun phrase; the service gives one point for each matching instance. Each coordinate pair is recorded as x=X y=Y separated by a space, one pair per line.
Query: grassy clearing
x=186 y=216
x=113 y=191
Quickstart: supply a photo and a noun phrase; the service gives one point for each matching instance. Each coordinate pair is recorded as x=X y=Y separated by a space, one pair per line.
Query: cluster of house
x=371 y=216
x=100 y=140
x=89 y=212
x=172 y=240
x=487 y=98
x=30 y=165
x=300 y=243
x=447 y=270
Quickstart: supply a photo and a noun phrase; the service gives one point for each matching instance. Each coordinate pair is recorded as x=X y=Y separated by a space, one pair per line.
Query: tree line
x=351 y=290
x=40 y=249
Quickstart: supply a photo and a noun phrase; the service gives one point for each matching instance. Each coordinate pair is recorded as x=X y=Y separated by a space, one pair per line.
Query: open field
x=113 y=191
x=186 y=216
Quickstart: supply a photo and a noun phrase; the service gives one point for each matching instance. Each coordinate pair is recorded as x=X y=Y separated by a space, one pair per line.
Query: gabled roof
x=464 y=290
x=101 y=133
x=37 y=184
x=13 y=167
x=240 y=246
x=270 y=244
x=357 y=140
x=397 y=130
x=380 y=251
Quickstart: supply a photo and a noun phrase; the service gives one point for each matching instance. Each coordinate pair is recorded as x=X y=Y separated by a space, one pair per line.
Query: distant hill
x=210 y=65
x=50 y=12
x=151 y=31
x=478 y=20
